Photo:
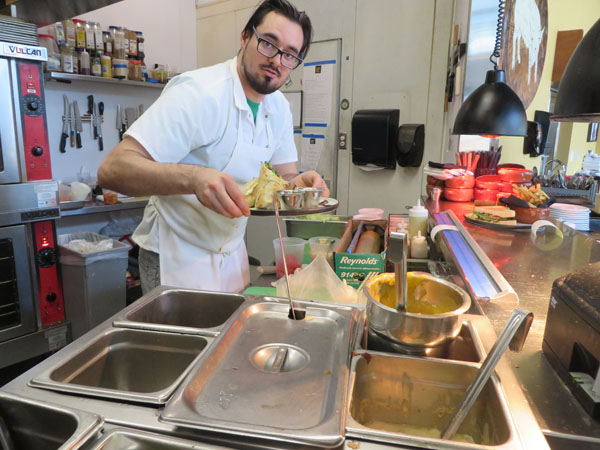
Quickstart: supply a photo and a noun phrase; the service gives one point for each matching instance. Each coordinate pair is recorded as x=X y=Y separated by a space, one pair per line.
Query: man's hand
x=311 y=179
x=218 y=191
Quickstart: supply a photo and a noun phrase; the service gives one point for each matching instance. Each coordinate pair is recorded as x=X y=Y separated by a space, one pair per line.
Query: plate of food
x=496 y=218
x=260 y=192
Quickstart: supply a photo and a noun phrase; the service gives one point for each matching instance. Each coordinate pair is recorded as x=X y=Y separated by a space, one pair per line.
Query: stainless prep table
x=531 y=272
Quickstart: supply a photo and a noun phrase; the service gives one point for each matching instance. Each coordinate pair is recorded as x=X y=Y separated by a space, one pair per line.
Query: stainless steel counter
x=531 y=272
x=95 y=207
x=123 y=413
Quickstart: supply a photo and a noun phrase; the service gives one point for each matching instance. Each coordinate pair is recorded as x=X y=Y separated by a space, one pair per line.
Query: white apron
x=200 y=249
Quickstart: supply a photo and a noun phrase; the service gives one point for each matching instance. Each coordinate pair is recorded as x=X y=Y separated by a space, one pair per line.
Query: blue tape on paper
x=319 y=63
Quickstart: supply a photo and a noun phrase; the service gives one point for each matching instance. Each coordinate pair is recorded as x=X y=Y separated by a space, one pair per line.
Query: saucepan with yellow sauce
x=433 y=314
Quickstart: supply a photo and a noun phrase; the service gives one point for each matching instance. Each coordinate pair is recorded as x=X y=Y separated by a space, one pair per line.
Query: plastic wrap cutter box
x=354 y=267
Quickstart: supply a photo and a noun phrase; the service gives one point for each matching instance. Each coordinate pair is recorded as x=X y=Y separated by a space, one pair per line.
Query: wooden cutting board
x=566 y=41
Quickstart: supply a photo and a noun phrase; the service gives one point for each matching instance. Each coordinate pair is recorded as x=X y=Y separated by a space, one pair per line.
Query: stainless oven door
x=9 y=153
x=18 y=313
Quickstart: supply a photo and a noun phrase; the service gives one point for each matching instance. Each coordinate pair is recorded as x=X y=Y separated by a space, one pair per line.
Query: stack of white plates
x=577 y=215
x=591 y=161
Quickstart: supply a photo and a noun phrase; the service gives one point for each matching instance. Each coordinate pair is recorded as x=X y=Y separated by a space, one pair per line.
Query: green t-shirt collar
x=253 y=107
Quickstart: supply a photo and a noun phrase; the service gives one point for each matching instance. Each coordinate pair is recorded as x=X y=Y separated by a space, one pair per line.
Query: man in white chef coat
x=206 y=135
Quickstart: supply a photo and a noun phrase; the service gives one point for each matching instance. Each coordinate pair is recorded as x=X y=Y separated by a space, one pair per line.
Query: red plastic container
x=514 y=175
x=487 y=181
x=458 y=195
x=433 y=181
x=505 y=186
x=488 y=195
x=464 y=182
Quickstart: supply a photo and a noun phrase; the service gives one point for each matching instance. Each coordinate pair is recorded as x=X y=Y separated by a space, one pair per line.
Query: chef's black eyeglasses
x=270 y=50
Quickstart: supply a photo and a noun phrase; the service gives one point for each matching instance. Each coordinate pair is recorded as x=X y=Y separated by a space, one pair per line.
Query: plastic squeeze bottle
x=418 y=247
x=417 y=220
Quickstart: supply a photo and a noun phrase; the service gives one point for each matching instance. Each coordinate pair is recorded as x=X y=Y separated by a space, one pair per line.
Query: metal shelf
x=69 y=78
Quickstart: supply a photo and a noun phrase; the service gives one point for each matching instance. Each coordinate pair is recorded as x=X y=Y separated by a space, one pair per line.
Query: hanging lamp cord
x=499 y=34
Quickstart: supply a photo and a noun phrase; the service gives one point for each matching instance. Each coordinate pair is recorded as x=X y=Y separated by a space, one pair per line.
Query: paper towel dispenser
x=374 y=137
x=411 y=144
x=378 y=141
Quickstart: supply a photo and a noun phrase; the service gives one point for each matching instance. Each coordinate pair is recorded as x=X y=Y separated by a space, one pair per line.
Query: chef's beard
x=260 y=83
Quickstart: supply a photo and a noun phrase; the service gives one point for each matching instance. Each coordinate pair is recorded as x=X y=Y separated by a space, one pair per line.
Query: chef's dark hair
x=287 y=10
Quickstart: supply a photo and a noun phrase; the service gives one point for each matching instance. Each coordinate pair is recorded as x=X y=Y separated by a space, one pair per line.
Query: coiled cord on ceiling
x=499 y=34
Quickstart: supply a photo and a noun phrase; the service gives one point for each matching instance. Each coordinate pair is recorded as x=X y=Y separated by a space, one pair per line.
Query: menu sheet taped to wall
x=317 y=83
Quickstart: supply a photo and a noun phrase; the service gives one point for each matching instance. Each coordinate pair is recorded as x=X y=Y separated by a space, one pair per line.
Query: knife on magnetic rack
x=78 y=124
x=65 y=128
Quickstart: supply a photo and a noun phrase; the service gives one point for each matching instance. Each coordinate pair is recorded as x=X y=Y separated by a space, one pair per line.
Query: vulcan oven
x=32 y=316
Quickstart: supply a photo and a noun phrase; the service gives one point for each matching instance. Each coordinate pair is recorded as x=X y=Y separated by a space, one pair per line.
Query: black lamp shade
x=492 y=109
x=579 y=90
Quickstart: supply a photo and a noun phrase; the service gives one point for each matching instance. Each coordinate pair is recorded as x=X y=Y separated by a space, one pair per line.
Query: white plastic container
x=322 y=245
x=372 y=212
x=53 y=63
x=417 y=220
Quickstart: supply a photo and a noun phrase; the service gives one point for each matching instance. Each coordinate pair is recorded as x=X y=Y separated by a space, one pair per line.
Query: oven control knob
x=46 y=257
x=37 y=151
x=51 y=297
x=33 y=105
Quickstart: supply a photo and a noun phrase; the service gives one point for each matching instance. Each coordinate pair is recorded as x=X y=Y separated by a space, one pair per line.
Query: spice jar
x=79 y=34
x=159 y=73
x=98 y=40
x=66 y=58
x=96 y=66
x=59 y=33
x=107 y=40
x=106 y=63
x=70 y=34
x=118 y=36
x=140 y=45
x=119 y=68
x=53 y=63
x=135 y=70
x=132 y=37
x=90 y=44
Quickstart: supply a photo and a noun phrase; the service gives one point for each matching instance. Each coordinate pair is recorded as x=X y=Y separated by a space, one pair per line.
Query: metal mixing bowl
x=418 y=333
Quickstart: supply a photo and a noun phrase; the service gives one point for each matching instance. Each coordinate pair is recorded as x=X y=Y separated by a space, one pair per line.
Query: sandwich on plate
x=259 y=191
x=497 y=214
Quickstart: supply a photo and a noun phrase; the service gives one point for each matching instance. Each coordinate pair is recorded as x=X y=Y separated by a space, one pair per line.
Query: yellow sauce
x=415 y=430
x=424 y=296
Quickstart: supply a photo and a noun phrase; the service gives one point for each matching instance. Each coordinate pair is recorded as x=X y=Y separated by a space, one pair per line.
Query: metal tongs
x=295 y=313
x=512 y=336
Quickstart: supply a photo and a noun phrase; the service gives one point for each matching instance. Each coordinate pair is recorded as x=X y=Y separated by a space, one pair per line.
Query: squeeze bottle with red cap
x=417 y=220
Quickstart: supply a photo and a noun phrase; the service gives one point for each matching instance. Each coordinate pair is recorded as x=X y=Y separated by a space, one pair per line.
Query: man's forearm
x=289 y=176
x=129 y=172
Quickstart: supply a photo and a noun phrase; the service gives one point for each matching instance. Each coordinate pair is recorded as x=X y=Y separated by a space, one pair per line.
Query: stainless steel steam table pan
x=182 y=311
x=271 y=376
